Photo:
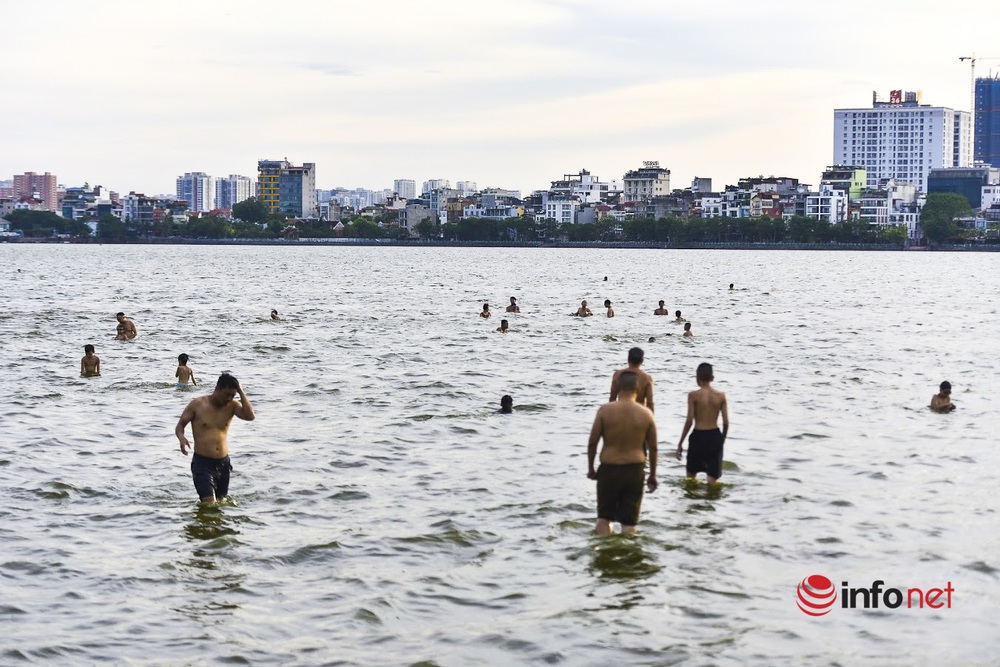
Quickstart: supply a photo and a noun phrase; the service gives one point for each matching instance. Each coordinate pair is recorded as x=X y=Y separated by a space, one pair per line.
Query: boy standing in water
x=687 y=330
x=941 y=401
x=184 y=374
x=210 y=417
x=90 y=364
x=705 y=445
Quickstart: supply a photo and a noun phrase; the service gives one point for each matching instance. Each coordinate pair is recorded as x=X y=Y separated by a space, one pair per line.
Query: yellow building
x=268 y=183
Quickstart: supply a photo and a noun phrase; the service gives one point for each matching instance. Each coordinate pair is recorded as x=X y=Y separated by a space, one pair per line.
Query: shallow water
x=383 y=513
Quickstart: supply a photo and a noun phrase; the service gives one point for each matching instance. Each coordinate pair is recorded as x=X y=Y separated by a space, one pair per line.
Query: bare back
x=704 y=405
x=624 y=426
x=644 y=390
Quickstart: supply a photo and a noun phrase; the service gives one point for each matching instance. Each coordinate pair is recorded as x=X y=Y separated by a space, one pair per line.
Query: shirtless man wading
x=625 y=426
x=210 y=417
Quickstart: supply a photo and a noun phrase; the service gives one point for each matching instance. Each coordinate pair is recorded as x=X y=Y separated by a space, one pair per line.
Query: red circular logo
x=816 y=595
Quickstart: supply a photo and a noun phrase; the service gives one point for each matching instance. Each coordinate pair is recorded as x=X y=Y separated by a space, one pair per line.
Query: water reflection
x=622 y=557
x=212 y=574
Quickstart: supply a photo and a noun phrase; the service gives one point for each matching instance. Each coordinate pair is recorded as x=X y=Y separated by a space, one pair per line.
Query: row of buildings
x=886 y=159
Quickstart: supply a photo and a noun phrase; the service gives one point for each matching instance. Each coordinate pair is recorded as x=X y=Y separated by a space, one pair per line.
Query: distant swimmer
x=274 y=315
x=506 y=404
x=705 y=445
x=503 y=326
x=679 y=318
x=625 y=426
x=583 y=311
x=731 y=286
x=687 y=330
x=605 y=279
x=651 y=340
x=184 y=373
x=644 y=387
x=611 y=311
x=90 y=364
x=661 y=310
x=210 y=417
x=486 y=311
x=513 y=307
x=126 y=329
x=941 y=401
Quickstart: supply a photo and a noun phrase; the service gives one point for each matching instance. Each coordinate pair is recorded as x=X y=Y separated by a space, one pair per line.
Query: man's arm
x=687 y=425
x=595 y=435
x=186 y=418
x=649 y=395
x=614 y=387
x=97 y=368
x=130 y=325
x=243 y=409
x=83 y=369
x=653 y=450
x=725 y=417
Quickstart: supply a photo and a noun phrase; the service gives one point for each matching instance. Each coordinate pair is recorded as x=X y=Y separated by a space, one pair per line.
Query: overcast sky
x=509 y=93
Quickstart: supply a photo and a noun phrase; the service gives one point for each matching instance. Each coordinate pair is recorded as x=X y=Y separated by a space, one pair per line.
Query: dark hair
x=678 y=313
x=705 y=373
x=227 y=381
x=687 y=326
x=661 y=303
x=607 y=302
x=486 y=306
x=636 y=355
x=652 y=340
x=182 y=358
x=513 y=299
x=730 y=286
x=88 y=348
x=503 y=322
x=945 y=386
x=628 y=381
x=119 y=314
x=506 y=403
x=274 y=312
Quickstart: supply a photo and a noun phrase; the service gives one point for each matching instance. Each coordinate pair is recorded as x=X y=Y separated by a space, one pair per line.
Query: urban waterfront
x=385 y=514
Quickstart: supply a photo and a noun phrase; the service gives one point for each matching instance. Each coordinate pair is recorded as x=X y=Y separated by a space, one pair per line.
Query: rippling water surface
x=383 y=513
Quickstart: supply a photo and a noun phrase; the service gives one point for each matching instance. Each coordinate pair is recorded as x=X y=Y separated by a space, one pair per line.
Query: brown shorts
x=619 y=492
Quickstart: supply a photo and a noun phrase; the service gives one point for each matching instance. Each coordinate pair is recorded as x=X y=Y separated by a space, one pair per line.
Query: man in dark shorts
x=210 y=417
x=625 y=426
x=705 y=446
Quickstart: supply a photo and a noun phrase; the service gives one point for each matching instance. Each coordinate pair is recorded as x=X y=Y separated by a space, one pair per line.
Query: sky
x=508 y=93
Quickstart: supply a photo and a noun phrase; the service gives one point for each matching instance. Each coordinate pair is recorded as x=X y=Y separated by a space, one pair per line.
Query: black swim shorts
x=705 y=453
x=619 y=492
x=211 y=476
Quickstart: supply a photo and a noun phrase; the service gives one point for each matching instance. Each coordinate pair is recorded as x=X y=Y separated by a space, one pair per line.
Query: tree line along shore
x=940 y=223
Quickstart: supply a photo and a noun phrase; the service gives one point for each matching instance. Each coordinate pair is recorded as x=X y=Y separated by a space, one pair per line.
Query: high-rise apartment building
x=40 y=186
x=233 y=189
x=987 y=140
x=198 y=190
x=901 y=139
x=466 y=188
x=435 y=184
x=405 y=188
x=287 y=189
x=650 y=181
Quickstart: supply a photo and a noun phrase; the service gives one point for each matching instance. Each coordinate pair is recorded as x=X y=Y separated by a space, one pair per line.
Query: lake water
x=383 y=513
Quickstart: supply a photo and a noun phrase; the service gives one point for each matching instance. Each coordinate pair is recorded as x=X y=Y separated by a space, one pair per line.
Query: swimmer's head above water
x=506 y=404
x=182 y=359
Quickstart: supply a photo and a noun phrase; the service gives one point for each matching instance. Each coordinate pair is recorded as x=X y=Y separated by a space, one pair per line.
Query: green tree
x=45 y=223
x=251 y=210
x=110 y=228
x=427 y=229
x=937 y=218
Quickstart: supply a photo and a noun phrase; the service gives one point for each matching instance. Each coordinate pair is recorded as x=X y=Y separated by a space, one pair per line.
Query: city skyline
x=511 y=96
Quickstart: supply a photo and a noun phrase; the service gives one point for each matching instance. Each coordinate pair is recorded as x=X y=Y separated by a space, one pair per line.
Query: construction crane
x=972 y=100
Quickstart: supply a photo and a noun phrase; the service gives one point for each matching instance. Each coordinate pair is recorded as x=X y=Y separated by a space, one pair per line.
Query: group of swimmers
x=628 y=429
x=584 y=311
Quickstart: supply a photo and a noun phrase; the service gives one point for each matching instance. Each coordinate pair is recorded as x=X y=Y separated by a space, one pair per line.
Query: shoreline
x=342 y=242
